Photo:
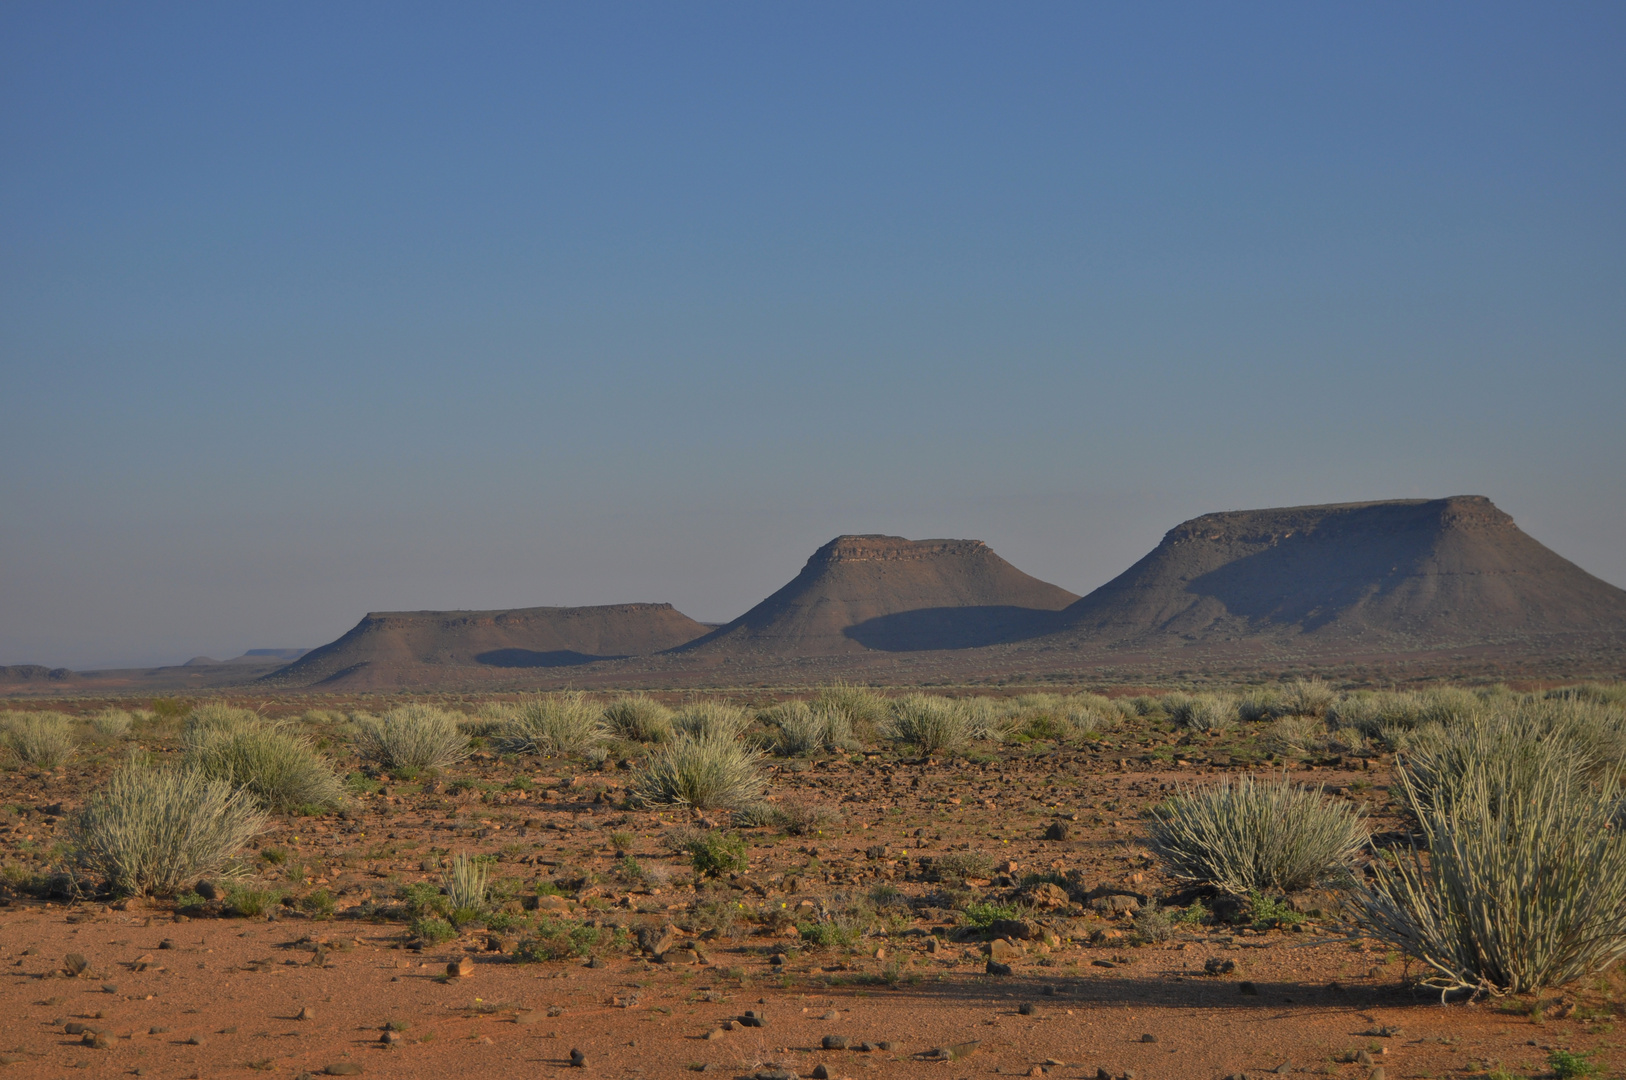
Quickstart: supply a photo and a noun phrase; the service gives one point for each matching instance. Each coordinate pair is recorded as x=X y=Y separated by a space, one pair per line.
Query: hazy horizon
x=314 y=311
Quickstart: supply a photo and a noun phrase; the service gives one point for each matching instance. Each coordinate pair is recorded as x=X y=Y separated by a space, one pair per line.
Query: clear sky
x=308 y=310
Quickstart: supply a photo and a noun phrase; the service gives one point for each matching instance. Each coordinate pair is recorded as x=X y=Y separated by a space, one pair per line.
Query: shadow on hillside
x=951 y=628
x=529 y=658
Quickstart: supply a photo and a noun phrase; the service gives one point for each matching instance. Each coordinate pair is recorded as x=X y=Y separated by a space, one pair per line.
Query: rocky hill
x=888 y=594
x=414 y=647
x=1413 y=573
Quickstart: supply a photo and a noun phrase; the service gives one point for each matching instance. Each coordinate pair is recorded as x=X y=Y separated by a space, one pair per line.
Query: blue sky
x=311 y=310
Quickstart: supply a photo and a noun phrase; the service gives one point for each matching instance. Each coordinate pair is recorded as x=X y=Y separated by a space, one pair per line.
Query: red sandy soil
x=237 y=985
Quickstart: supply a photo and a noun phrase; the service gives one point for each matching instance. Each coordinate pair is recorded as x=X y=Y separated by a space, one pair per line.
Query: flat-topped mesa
x=876 y=547
x=1417 y=572
x=538 y=637
x=868 y=592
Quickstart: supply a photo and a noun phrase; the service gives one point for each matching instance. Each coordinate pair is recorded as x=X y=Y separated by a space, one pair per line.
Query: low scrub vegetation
x=1248 y=836
x=411 y=739
x=281 y=771
x=156 y=830
x=563 y=725
x=638 y=718
x=1523 y=881
x=797 y=728
x=707 y=718
x=43 y=739
x=930 y=724
x=704 y=771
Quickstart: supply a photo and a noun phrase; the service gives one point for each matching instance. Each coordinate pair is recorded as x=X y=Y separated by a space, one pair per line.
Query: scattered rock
x=390 y=1037
x=578 y=1060
x=834 y=1042
x=996 y=968
x=1116 y=903
x=95 y=1039
x=1362 y=1057
x=753 y=1019
x=1377 y=1074
x=461 y=969
x=1037 y=1070
x=307 y=1013
x=74 y=965
x=1047 y=894
x=1027 y=1008
x=1283 y=1069
x=821 y=1072
x=1216 y=965
x=1148 y=1038
x=655 y=940
x=1003 y=949
x=1013 y=929
x=1058 y=831
x=957 y=1051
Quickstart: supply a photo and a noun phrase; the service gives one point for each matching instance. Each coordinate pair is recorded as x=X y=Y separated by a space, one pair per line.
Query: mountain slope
x=1408 y=573
x=885 y=593
x=397 y=642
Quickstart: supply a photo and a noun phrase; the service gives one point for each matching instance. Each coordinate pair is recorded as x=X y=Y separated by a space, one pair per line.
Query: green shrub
x=155 y=830
x=319 y=904
x=829 y=932
x=1201 y=712
x=714 y=854
x=412 y=738
x=250 y=902
x=707 y=718
x=41 y=739
x=564 y=724
x=1306 y=697
x=864 y=709
x=558 y=939
x=930 y=724
x=988 y=719
x=1251 y=836
x=796 y=817
x=1153 y=923
x=432 y=929
x=956 y=866
x=279 y=770
x=465 y=884
x=638 y=718
x=703 y=771
x=111 y=723
x=980 y=915
x=799 y=728
x=1523 y=884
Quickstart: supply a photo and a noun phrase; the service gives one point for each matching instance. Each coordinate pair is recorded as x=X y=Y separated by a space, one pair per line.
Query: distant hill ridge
x=1411 y=571
x=871 y=592
x=384 y=646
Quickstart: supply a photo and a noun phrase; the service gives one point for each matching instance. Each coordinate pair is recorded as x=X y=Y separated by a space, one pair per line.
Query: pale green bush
x=639 y=718
x=704 y=771
x=799 y=728
x=1523 y=882
x=1201 y=712
x=111 y=723
x=41 y=739
x=280 y=770
x=1248 y=836
x=929 y=723
x=412 y=738
x=565 y=724
x=708 y=717
x=156 y=830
